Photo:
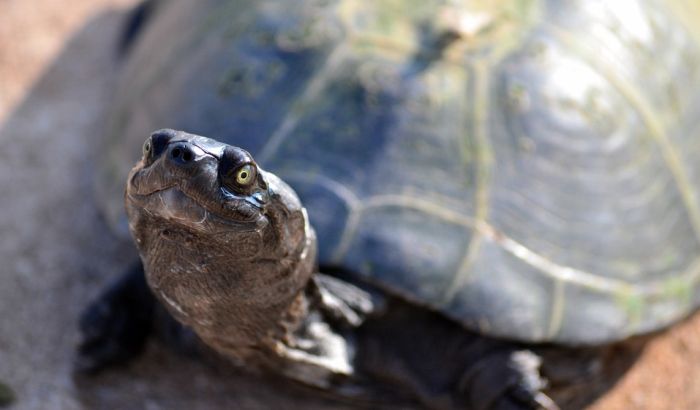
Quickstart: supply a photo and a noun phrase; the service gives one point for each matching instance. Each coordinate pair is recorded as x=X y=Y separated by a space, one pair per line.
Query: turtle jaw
x=170 y=204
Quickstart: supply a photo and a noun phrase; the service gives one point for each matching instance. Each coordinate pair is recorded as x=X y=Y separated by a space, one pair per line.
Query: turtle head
x=187 y=180
x=213 y=191
x=217 y=234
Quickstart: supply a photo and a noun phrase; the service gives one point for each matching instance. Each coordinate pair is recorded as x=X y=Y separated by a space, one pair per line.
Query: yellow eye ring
x=245 y=175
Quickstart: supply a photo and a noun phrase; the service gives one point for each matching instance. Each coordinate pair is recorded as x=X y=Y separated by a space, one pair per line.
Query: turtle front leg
x=114 y=327
x=341 y=301
x=322 y=350
x=506 y=379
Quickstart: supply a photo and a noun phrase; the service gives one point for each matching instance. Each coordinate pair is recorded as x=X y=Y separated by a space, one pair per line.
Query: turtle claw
x=341 y=301
x=506 y=380
x=526 y=398
x=528 y=390
x=114 y=328
x=545 y=402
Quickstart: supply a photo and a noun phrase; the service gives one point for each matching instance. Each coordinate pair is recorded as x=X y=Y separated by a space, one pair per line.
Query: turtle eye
x=237 y=170
x=147 y=148
x=245 y=175
x=156 y=144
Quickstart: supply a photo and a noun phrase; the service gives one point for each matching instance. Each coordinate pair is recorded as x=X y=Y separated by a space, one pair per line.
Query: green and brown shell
x=529 y=168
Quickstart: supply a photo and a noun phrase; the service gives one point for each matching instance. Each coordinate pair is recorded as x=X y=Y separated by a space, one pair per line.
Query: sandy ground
x=56 y=67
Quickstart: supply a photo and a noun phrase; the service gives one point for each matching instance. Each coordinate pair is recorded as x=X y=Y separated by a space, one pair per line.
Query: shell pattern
x=527 y=167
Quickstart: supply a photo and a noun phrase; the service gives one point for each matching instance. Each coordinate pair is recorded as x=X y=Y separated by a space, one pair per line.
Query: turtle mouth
x=204 y=209
x=145 y=180
x=173 y=204
x=139 y=195
x=170 y=203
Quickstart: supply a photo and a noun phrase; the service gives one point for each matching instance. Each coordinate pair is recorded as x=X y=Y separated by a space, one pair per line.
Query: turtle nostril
x=181 y=154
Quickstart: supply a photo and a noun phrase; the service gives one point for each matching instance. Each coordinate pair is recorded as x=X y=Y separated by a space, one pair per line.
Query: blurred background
x=57 y=64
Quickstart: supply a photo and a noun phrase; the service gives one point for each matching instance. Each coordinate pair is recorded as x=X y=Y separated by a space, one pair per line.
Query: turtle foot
x=342 y=302
x=506 y=380
x=114 y=327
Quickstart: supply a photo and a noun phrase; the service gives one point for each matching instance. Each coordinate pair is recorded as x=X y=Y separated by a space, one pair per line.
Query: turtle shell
x=528 y=168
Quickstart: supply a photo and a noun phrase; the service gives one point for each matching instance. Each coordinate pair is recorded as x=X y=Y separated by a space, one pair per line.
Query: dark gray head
x=225 y=245
x=182 y=177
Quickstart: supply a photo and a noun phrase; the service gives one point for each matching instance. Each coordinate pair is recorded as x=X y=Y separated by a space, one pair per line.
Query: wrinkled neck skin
x=238 y=284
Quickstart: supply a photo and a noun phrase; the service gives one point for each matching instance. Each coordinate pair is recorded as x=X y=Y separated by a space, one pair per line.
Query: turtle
x=487 y=182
